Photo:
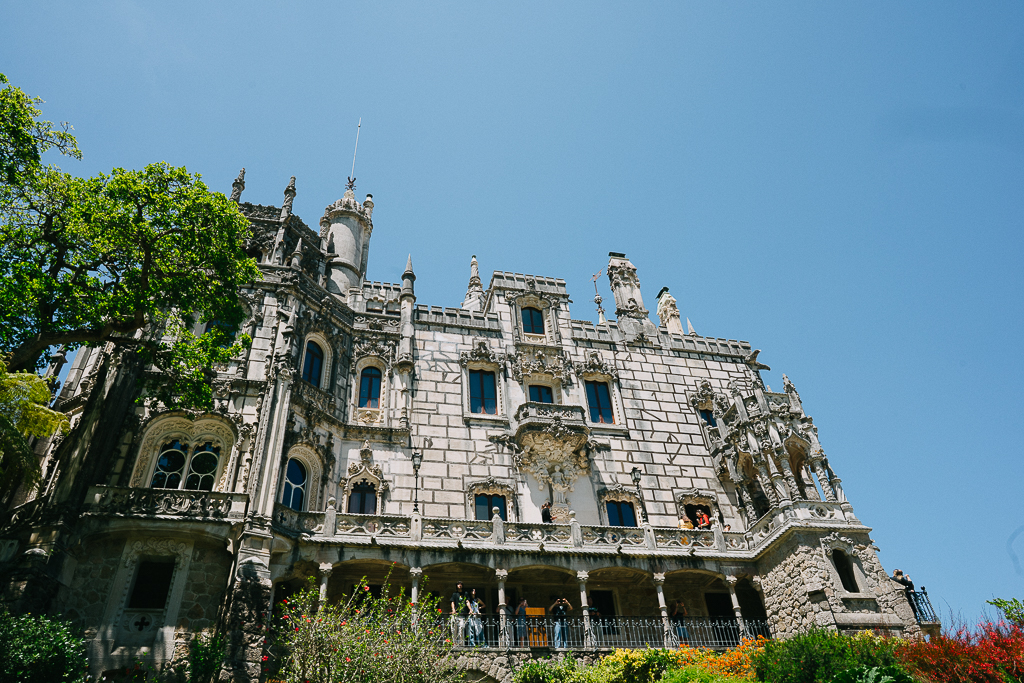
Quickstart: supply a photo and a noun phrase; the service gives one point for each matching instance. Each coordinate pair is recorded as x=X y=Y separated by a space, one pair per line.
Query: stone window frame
x=618 y=413
x=373 y=417
x=547 y=310
x=834 y=542
x=483 y=357
x=695 y=496
x=364 y=471
x=176 y=426
x=325 y=372
x=314 y=469
x=494 y=487
x=620 y=493
x=118 y=618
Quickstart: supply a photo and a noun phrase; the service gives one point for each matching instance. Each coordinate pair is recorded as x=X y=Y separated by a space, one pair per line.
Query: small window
x=620 y=513
x=483 y=396
x=294 y=485
x=533 y=321
x=708 y=417
x=152 y=584
x=600 y=402
x=369 y=388
x=485 y=503
x=202 y=466
x=363 y=499
x=541 y=394
x=314 y=364
x=845 y=570
x=169 y=466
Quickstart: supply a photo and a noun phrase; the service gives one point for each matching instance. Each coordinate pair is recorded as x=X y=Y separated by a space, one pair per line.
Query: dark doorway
x=719 y=605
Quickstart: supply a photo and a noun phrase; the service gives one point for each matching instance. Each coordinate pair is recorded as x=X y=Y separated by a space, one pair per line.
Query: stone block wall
x=85 y=598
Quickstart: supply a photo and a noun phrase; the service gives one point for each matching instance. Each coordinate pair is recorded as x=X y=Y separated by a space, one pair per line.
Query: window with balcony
x=541 y=394
x=363 y=499
x=533 y=321
x=313 y=364
x=483 y=394
x=486 y=502
x=369 y=388
x=295 y=479
x=620 y=513
x=600 y=402
x=180 y=466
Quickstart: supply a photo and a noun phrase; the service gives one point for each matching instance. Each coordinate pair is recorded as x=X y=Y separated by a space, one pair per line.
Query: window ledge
x=610 y=429
x=485 y=418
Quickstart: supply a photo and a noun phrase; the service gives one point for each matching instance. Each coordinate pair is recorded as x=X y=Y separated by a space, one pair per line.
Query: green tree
x=1012 y=609
x=134 y=258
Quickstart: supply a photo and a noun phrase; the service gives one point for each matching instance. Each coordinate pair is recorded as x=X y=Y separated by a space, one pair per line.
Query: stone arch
x=325 y=372
x=365 y=471
x=307 y=455
x=621 y=493
x=691 y=499
x=376 y=417
x=492 y=486
x=179 y=425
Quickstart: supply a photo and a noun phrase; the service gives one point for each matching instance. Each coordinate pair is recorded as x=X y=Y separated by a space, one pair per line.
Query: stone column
x=414 y=595
x=823 y=481
x=787 y=472
x=778 y=482
x=766 y=485
x=745 y=503
x=502 y=576
x=325 y=573
x=588 y=633
x=731 y=581
x=659 y=585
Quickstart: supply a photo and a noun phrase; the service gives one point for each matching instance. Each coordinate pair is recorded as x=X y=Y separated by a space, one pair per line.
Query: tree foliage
x=133 y=258
x=37 y=649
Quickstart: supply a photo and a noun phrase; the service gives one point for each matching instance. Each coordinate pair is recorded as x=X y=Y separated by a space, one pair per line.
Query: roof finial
x=689 y=328
x=238 y=186
x=289 y=196
x=601 y=320
x=408 y=264
x=352 y=176
x=475 y=292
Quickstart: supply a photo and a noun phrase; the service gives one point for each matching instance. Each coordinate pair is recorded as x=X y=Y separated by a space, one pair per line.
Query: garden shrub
x=698 y=674
x=874 y=674
x=992 y=654
x=818 y=656
x=36 y=649
x=549 y=671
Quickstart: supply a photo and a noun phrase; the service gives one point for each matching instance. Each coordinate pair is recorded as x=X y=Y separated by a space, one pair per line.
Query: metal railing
x=922 y=606
x=579 y=633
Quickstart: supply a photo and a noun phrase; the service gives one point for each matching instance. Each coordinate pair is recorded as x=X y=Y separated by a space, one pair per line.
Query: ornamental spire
x=475 y=292
x=238 y=186
x=289 y=196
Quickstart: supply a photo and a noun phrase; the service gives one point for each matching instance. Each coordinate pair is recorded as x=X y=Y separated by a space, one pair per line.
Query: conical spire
x=689 y=328
x=289 y=196
x=408 y=265
x=475 y=292
x=238 y=186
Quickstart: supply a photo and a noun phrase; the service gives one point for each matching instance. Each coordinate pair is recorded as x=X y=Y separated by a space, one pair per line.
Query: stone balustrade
x=138 y=502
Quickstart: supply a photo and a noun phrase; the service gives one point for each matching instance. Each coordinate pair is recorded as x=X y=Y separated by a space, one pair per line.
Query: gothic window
x=709 y=417
x=313 y=364
x=845 y=570
x=600 y=402
x=152 y=584
x=369 y=388
x=620 y=513
x=533 y=321
x=541 y=394
x=202 y=466
x=485 y=502
x=363 y=499
x=483 y=396
x=294 y=485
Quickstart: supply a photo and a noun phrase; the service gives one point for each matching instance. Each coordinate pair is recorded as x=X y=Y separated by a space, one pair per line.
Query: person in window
x=703 y=521
x=474 y=624
x=459 y=611
x=521 y=623
x=679 y=615
x=545 y=512
x=560 y=610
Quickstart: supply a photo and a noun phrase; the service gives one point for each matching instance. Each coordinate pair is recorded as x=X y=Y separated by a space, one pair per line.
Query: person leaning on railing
x=908 y=588
x=679 y=614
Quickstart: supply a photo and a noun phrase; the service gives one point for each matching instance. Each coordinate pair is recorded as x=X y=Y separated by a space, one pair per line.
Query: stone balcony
x=117 y=501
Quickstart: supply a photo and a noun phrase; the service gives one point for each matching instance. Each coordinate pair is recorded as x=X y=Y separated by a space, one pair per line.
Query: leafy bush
x=365 y=638
x=36 y=649
x=549 y=671
x=205 y=657
x=874 y=674
x=699 y=674
x=818 y=656
x=992 y=654
x=1013 y=610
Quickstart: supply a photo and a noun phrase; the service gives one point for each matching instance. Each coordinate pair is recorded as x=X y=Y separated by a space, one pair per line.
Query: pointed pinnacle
x=408 y=264
x=689 y=328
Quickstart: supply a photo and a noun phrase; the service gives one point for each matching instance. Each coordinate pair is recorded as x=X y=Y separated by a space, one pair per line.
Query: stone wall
x=204 y=590
x=85 y=597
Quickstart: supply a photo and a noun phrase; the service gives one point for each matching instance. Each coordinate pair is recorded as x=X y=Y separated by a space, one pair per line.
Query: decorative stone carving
x=481 y=353
x=376 y=346
x=594 y=364
x=526 y=362
x=142 y=502
x=188 y=429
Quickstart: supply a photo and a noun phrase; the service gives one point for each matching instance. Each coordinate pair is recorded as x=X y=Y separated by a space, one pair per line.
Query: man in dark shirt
x=908 y=588
x=545 y=512
x=559 y=611
x=460 y=609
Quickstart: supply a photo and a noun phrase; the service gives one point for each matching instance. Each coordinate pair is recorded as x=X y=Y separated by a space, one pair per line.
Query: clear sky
x=841 y=184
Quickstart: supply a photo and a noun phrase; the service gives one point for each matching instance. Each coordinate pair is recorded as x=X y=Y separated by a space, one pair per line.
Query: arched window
x=620 y=513
x=314 y=363
x=202 y=463
x=294 y=485
x=845 y=570
x=369 y=388
x=483 y=395
x=485 y=502
x=600 y=402
x=533 y=321
x=363 y=499
x=709 y=417
x=541 y=394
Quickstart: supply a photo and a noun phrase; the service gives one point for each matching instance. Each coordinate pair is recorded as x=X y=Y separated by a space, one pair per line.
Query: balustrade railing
x=580 y=633
x=115 y=500
x=922 y=606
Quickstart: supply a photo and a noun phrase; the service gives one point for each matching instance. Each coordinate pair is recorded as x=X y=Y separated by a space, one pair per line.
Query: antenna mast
x=352 y=178
x=601 y=320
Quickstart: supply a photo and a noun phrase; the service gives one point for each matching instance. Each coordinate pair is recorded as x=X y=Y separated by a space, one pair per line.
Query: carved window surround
x=495 y=487
x=371 y=417
x=164 y=428
x=129 y=635
x=834 y=542
x=596 y=368
x=320 y=339
x=483 y=357
x=314 y=471
x=693 y=496
x=547 y=308
x=617 y=492
x=365 y=471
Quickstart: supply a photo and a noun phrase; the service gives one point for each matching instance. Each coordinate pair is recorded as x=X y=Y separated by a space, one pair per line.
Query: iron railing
x=579 y=633
x=922 y=606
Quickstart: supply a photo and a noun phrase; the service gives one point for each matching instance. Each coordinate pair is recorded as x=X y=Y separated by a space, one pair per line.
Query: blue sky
x=840 y=184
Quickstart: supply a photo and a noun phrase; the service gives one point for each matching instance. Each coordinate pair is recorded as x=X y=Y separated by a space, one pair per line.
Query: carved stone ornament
x=836 y=541
x=524 y=363
x=619 y=275
x=168 y=427
x=194 y=504
x=366 y=470
x=376 y=346
x=617 y=492
x=703 y=398
x=594 y=364
x=481 y=353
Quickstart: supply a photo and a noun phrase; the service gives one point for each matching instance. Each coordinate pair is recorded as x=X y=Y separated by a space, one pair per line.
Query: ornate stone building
x=363 y=431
